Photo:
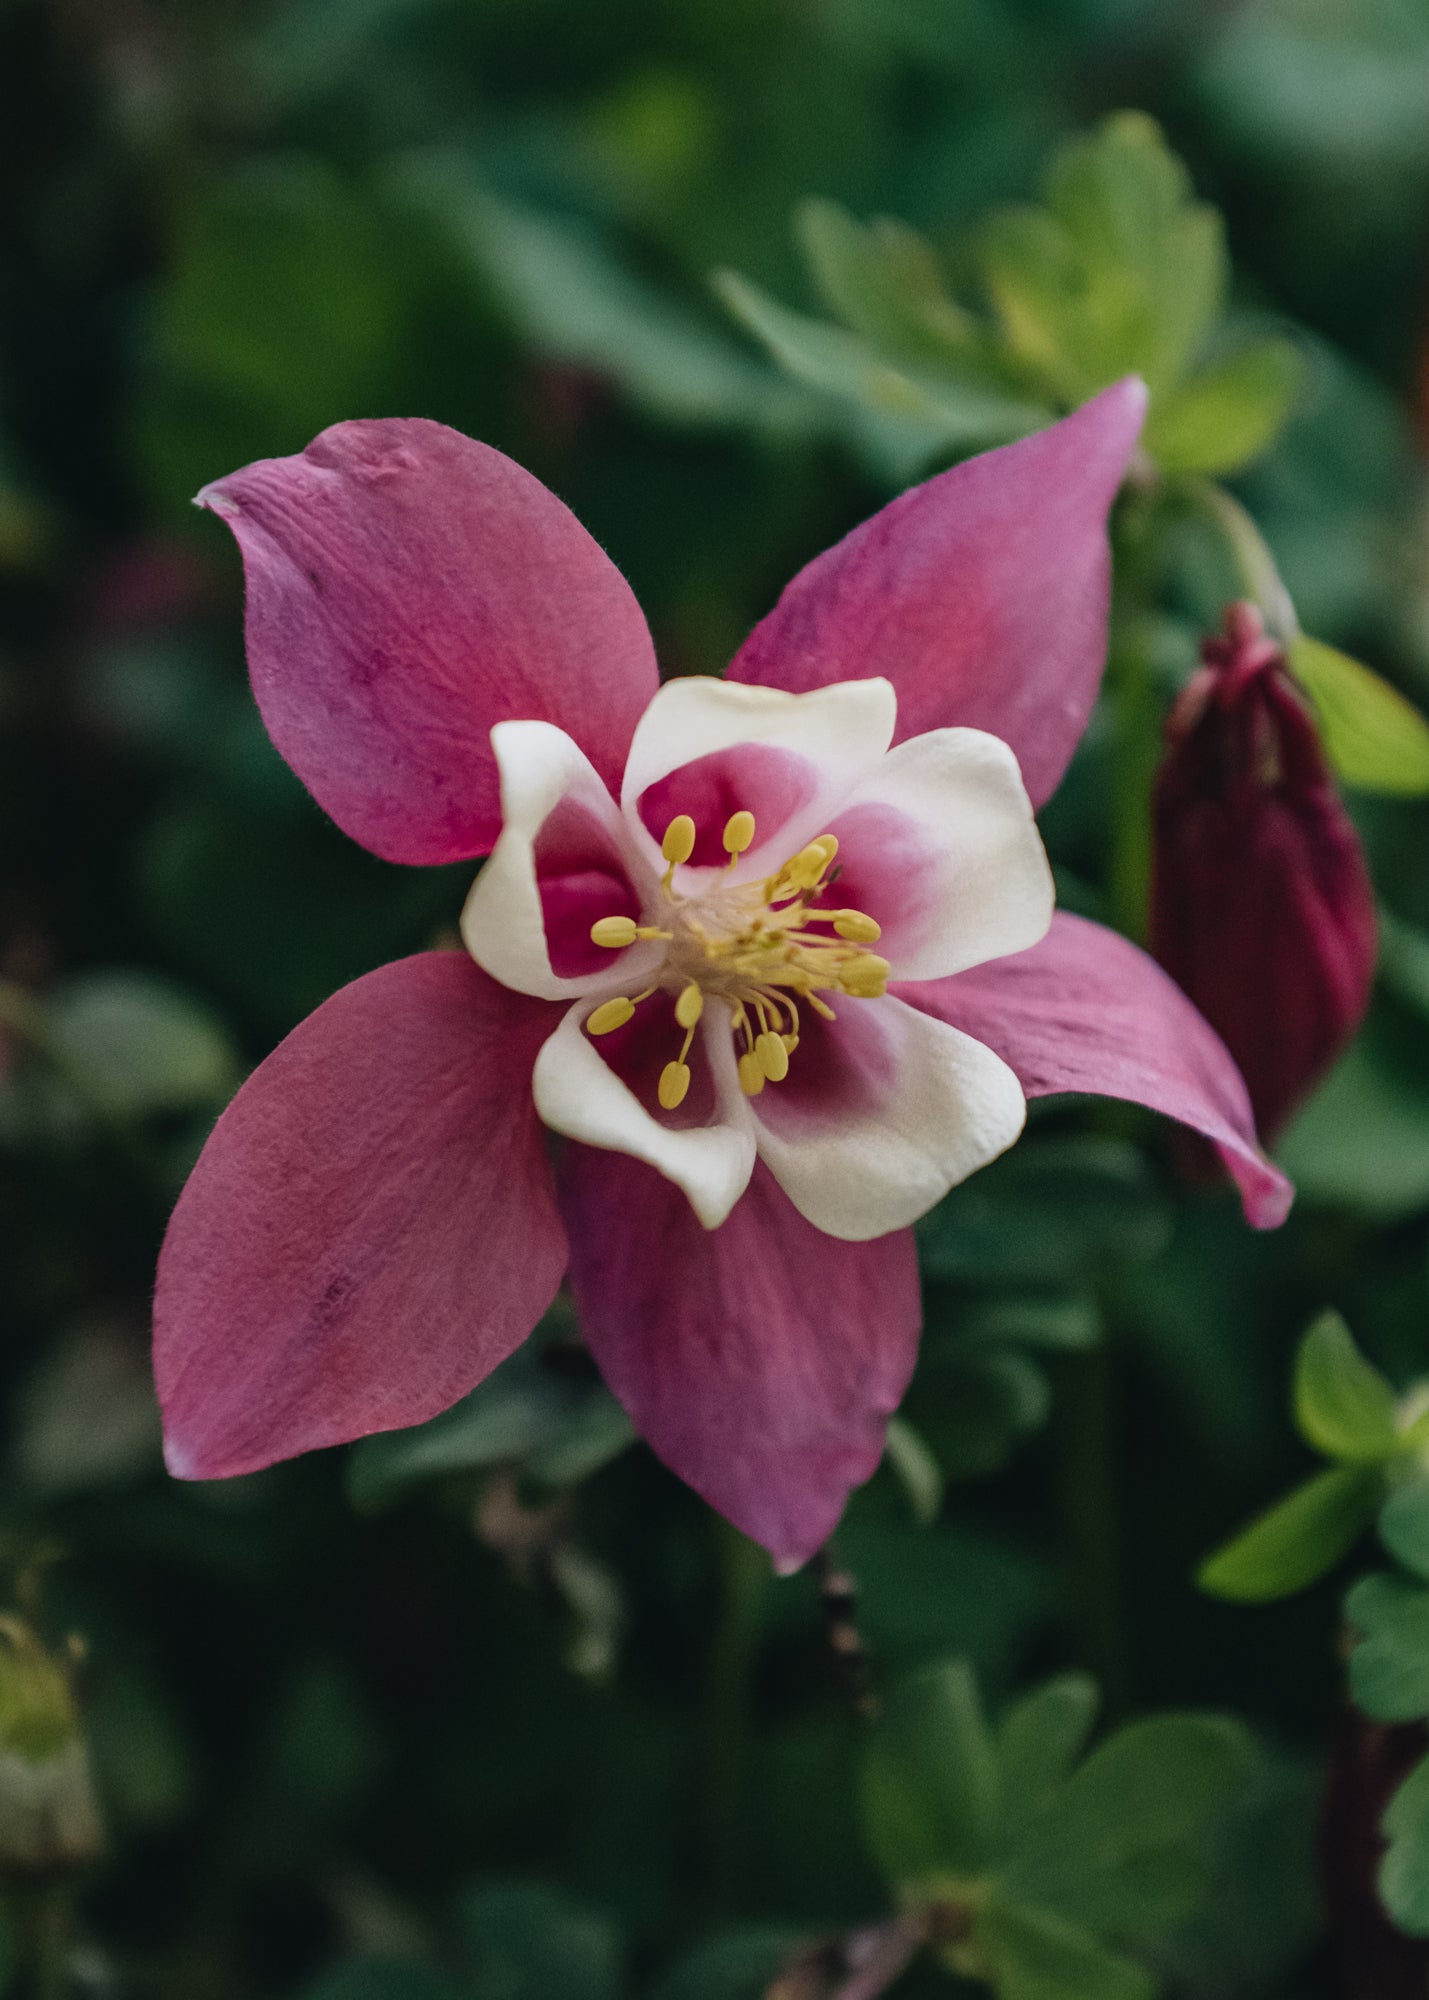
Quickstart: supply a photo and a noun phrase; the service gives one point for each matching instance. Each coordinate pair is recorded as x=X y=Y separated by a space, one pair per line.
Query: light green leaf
x=1122 y=272
x=1404 y=1526
x=1039 y=1740
x=1343 y=1405
x=1035 y=1956
x=1228 y=412
x=903 y=414
x=931 y=1781
x=1296 y=1540
x=1117 y=1848
x=882 y=280
x=1404 y=1872
x=1389 y=1667
x=917 y=1469
x=1375 y=739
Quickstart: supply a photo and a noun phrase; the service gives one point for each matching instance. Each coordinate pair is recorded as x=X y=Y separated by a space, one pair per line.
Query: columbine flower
x=1262 y=907
x=776 y=955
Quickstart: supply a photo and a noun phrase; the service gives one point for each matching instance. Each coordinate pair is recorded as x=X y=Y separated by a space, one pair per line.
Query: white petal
x=913 y=1107
x=580 y=1096
x=842 y=730
x=939 y=844
x=503 y=924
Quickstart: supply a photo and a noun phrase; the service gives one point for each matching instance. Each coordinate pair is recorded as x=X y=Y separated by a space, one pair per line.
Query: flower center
x=763 y=947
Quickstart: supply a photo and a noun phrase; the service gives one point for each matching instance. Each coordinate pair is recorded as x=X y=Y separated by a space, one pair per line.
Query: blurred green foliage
x=494 y=1708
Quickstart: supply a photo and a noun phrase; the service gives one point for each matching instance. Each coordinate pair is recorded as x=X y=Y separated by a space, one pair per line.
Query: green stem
x=1254 y=564
x=744 y=1575
x=1085 y=1436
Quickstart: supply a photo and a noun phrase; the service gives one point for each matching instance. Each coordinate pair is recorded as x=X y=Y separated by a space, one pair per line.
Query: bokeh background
x=502 y=1710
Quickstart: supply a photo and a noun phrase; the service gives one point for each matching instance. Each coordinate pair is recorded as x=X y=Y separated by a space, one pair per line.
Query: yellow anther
x=614 y=932
x=751 y=1075
x=830 y=844
x=679 y=842
x=611 y=1014
x=856 y=927
x=772 y=1056
x=791 y=1042
x=674 y=1082
x=738 y=833
x=689 y=1006
x=809 y=864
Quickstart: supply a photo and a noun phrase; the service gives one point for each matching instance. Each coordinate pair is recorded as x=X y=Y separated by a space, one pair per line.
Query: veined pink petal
x=1086 y=1011
x=761 y=1360
x=982 y=594
x=407 y=589
x=370 y=1229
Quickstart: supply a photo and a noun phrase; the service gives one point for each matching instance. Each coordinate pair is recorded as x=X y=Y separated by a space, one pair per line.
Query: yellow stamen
x=791 y=1042
x=751 y=1074
x=689 y=1006
x=614 y=932
x=679 y=842
x=856 y=927
x=611 y=1014
x=674 y=1083
x=738 y=834
x=772 y=1057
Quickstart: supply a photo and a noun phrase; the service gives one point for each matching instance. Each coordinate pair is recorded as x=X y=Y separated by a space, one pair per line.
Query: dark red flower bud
x=1262 y=908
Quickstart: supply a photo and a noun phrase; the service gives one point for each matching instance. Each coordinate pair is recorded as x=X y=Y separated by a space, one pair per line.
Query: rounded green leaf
x=1035 y=1956
x=1297 y=1540
x=1389 y=1667
x=1404 y=1526
x=1228 y=413
x=1375 y=739
x=1039 y=1740
x=931 y=1781
x=1343 y=1405
x=1404 y=1873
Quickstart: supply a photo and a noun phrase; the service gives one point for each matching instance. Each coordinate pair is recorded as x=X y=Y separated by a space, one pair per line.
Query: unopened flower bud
x=1262 y=908
x=48 y=1819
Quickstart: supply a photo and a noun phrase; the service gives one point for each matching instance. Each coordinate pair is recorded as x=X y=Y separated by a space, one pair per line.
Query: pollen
x=738 y=834
x=679 y=842
x=611 y=1014
x=763 y=949
x=674 y=1084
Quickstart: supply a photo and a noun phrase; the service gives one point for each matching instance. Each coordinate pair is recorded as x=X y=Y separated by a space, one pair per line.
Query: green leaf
x=904 y=416
x=1343 y=1405
x=1404 y=1872
x=527 y=1942
x=1404 y=1526
x=1228 y=412
x=734 y=1965
x=1375 y=739
x=917 y=1470
x=1122 y=272
x=1117 y=1849
x=882 y=280
x=931 y=1781
x=541 y=1410
x=1039 y=1740
x=1296 y=1540
x=1054 y=1211
x=1035 y=1956
x=141 y=1045
x=382 y=1979
x=1389 y=1667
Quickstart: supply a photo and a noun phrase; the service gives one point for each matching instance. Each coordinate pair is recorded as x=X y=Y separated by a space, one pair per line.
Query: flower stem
x=1086 y=1461
x=839 y=1597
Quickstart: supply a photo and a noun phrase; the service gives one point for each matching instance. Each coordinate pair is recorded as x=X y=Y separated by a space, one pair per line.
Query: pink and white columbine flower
x=776 y=955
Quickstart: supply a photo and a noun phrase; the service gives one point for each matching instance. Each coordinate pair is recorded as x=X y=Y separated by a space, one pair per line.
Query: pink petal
x=407 y=589
x=370 y=1229
x=1086 y=1011
x=982 y=595
x=761 y=1360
